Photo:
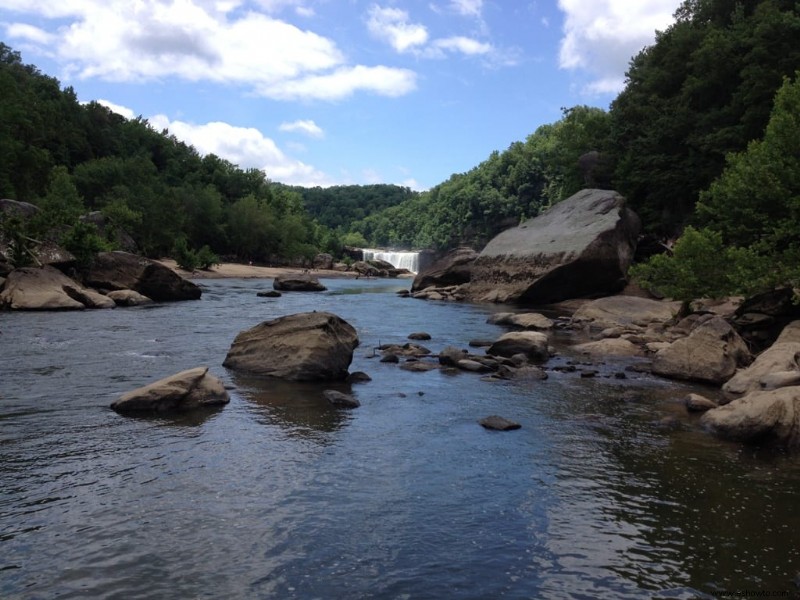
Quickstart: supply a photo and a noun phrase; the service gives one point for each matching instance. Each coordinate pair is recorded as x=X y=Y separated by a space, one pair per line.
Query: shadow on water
x=297 y=407
x=192 y=418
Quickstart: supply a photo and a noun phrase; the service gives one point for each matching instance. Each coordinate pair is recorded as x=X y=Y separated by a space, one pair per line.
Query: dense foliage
x=751 y=217
x=70 y=159
x=703 y=90
x=554 y=162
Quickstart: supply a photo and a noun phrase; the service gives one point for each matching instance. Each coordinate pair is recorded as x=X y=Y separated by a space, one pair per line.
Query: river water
x=278 y=495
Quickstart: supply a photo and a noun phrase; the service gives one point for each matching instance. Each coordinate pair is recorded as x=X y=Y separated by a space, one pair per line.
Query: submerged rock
x=315 y=346
x=187 y=390
x=580 y=247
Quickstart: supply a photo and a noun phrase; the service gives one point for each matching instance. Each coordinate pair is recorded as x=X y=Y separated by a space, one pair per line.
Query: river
x=278 y=495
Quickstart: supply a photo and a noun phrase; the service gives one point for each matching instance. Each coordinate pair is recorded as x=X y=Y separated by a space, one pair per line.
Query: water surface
x=280 y=496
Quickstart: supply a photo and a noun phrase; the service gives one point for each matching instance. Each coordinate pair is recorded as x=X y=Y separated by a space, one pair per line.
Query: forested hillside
x=70 y=158
x=703 y=90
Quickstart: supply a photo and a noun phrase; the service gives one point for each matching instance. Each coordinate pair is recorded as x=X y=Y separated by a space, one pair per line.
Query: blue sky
x=327 y=92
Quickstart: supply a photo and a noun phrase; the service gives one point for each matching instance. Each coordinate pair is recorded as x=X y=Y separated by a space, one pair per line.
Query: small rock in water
x=390 y=358
x=358 y=377
x=419 y=335
x=499 y=423
x=269 y=294
x=341 y=400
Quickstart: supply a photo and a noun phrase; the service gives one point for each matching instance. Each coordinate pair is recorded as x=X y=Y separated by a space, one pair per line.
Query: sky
x=339 y=92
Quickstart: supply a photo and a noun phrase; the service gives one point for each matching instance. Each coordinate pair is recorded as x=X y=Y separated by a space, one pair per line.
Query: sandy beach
x=236 y=270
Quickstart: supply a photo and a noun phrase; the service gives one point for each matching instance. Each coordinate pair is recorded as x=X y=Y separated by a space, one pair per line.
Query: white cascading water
x=400 y=260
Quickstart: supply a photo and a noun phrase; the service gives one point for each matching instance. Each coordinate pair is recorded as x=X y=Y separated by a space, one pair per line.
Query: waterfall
x=400 y=260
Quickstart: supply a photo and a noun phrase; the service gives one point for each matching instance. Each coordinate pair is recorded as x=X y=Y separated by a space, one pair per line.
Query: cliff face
x=581 y=247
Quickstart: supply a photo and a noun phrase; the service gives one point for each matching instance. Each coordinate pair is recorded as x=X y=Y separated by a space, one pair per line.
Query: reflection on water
x=610 y=489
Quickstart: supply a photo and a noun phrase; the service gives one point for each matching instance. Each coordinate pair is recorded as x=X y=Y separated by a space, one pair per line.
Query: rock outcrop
x=125 y=271
x=453 y=269
x=580 y=247
x=128 y=298
x=781 y=358
x=621 y=311
x=711 y=353
x=315 y=346
x=47 y=288
x=184 y=391
x=297 y=282
x=760 y=417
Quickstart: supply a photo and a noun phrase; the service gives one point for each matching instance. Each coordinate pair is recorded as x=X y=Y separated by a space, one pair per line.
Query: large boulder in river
x=454 y=268
x=297 y=282
x=581 y=247
x=187 y=390
x=767 y=416
x=315 y=346
x=47 y=288
x=711 y=353
x=125 y=271
x=776 y=364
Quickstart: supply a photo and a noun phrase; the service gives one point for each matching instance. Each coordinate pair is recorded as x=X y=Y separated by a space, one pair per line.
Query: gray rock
x=47 y=288
x=768 y=416
x=499 y=423
x=473 y=365
x=128 y=298
x=269 y=294
x=358 y=377
x=125 y=271
x=341 y=400
x=452 y=269
x=419 y=335
x=779 y=358
x=533 y=344
x=580 y=247
x=450 y=356
x=624 y=311
x=187 y=390
x=297 y=282
x=315 y=346
x=698 y=403
x=609 y=347
x=711 y=353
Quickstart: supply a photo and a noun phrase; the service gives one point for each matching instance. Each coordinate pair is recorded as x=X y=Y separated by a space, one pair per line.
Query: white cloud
x=602 y=36
x=306 y=126
x=392 y=26
x=195 y=40
x=463 y=44
x=246 y=147
x=117 y=108
x=344 y=82
x=23 y=31
x=468 y=8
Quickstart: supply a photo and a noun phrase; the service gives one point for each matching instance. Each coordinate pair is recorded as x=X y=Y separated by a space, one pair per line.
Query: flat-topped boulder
x=312 y=346
x=47 y=288
x=621 y=311
x=297 y=282
x=184 y=391
x=125 y=271
x=581 y=247
x=532 y=344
